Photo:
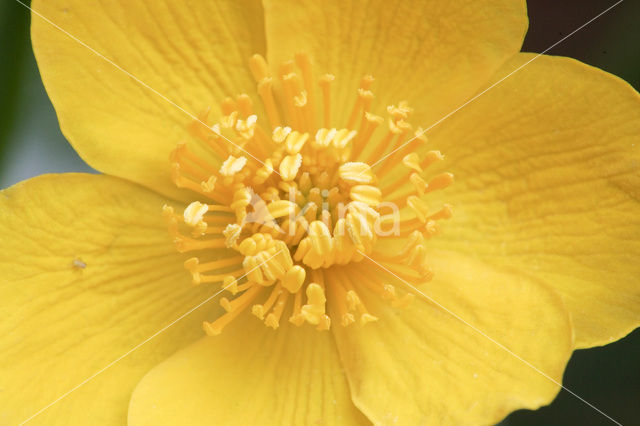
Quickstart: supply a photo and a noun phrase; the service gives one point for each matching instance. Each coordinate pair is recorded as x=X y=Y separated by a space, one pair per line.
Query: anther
x=194 y=213
x=418 y=183
x=294 y=278
x=412 y=161
x=430 y=158
x=320 y=237
x=419 y=207
x=289 y=166
x=314 y=311
x=356 y=173
x=232 y=165
x=259 y=67
x=295 y=141
x=440 y=181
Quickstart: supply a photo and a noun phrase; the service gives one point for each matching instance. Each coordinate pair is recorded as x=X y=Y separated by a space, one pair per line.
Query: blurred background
x=607 y=377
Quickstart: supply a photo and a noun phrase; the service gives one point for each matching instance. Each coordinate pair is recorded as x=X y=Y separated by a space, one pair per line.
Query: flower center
x=288 y=209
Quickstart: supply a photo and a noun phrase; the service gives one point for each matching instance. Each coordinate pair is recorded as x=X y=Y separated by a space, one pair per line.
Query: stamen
x=245 y=106
x=261 y=310
x=232 y=165
x=314 y=311
x=356 y=173
x=297 y=318
x=370 y=195
x=401 y=149
x=396 y=130
x=440 y=182
x=325 y=86
x=304 y=63
x=294 y=278
x=215 y=328
x=298 y=203
x=266 y=94
x=273 y=319
x=259 y=67
x=292 y=89
x=360 y=107
x=369 y=126
x=339 y=300
x=289 y=166
x=194 y=266
x=430 y=158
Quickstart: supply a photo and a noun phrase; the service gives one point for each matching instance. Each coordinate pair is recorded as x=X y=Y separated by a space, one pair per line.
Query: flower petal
x=437 y=51
x=547 y=166
x=422 y=365
x=87 y=272
x=248 y=375
x=192 y=55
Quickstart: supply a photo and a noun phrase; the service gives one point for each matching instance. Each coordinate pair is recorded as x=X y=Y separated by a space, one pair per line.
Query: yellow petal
x=421 y=365
x=547 y=165
x=87 y=272
x=194 y=55
x=248 y=375
x=439 y=51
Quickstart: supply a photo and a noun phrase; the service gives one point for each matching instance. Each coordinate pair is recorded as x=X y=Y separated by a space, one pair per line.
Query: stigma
x=293 y=207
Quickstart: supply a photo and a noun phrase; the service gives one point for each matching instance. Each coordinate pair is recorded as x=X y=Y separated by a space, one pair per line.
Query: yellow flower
x=540 y=257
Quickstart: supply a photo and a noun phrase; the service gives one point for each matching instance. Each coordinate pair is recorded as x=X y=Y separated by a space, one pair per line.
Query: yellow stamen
x=215 y=328
x=298 y=202
x=304 y=63
x=273 y=319
x=289 y=166
x=325 y=86
x=294 y=278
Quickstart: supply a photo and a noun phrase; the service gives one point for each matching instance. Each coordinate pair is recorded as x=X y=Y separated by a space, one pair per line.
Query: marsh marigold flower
x=276 y=152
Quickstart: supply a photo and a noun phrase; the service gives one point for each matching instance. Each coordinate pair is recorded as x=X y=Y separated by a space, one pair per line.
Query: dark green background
x=608 y=377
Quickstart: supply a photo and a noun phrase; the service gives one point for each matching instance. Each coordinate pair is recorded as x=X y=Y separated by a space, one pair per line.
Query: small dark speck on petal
x=78 y=264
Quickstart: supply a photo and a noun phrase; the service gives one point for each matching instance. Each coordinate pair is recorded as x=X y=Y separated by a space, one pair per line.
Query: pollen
x=293 y=205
